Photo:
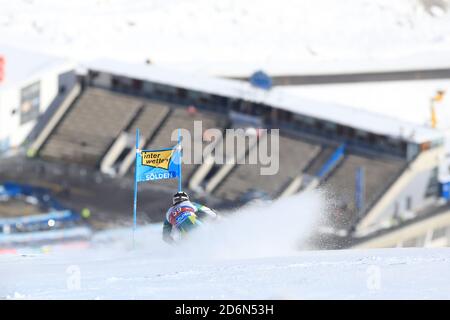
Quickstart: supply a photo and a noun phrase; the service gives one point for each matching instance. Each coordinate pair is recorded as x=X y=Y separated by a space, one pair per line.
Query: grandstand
x=90 y=127
x=149 y=119
x=320 y=145
x=320 y=160
x=295 y=156
x=32 y=85
x=341 y=183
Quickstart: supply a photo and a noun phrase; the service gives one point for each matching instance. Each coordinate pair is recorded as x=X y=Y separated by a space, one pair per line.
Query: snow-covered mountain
x=234 y=37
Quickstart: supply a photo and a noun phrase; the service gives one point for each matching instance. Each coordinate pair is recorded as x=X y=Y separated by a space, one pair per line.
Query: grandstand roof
x=23 y=65
x=336 y=113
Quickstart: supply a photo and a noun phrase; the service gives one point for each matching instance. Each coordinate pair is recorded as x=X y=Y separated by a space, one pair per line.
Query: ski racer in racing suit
x=183 y=216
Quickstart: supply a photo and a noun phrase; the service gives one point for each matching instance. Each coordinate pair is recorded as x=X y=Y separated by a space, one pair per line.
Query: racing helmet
x=180 y=197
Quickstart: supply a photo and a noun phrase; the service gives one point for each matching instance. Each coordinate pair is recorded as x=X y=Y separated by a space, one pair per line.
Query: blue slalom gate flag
x=158 y=164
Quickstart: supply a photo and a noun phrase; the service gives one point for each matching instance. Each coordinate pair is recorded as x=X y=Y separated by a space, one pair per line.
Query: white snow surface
x=24 y=65
x=234 y=37
x=403 y=100
x=233 y=259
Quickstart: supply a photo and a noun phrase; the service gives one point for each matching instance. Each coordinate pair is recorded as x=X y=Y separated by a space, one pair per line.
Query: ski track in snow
x=401 y=273
x=222 y=261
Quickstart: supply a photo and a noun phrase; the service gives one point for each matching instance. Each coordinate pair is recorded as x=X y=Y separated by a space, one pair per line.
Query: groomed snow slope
x=224 y=262
x=347 y=274
x=234 y=37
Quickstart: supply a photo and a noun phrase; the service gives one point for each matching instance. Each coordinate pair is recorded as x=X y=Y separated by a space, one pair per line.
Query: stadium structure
x=30 y=84
x=380 y=175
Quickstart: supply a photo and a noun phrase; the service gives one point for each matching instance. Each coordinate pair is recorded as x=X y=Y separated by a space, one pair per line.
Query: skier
x=183 y=216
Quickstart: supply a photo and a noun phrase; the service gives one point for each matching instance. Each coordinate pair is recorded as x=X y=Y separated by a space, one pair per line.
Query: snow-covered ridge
x=234 y=37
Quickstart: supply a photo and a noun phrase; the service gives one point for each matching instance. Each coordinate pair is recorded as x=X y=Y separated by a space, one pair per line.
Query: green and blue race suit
x=183 y=217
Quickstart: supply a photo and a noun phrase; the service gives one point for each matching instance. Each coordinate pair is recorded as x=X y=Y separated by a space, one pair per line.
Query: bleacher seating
x=321 y=158
x=294 y=154
x=378 y=172
x=99 y=116
x=149 y=118
x=90 y=126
